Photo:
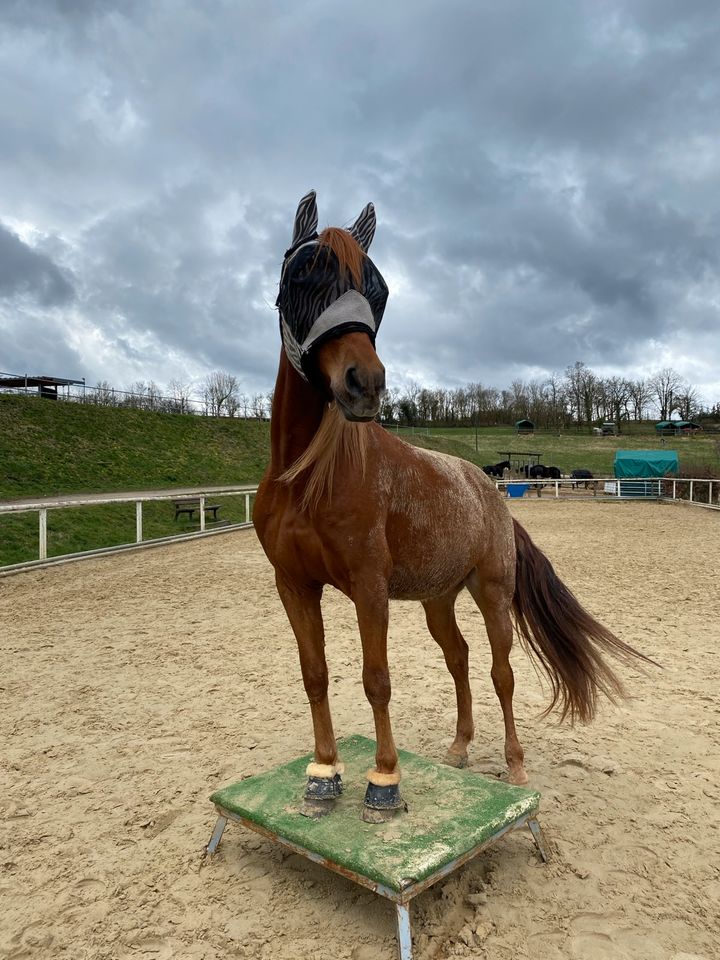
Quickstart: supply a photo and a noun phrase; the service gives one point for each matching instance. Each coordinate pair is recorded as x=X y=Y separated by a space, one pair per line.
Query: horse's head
x=331 y=302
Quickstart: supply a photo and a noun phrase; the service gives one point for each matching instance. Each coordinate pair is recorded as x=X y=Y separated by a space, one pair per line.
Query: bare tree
x=102 y=394
x=218 y=388
x=180 y=393
x=665 y=384
x=640 y=397
x=617 y=396
x=687 y=403
x=388 y=404
x=258 y=406
x=583 y=393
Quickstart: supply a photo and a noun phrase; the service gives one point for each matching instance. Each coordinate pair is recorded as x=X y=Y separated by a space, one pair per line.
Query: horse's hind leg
x=440 y=616
x=494 y=599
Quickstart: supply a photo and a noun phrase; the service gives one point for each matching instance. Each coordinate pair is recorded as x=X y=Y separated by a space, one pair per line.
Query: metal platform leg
x=404 y=934
x=539 y=839
x=216 y=836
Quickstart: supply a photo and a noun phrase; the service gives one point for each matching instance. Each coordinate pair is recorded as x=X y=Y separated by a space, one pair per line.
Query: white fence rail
x=698 y=492
x=202 y=496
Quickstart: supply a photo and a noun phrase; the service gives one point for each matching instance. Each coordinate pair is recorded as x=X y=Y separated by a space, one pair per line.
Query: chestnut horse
x=346 y=503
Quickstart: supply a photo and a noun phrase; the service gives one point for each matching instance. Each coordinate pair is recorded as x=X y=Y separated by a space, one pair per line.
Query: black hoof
x=382 y=803
x=323 y=788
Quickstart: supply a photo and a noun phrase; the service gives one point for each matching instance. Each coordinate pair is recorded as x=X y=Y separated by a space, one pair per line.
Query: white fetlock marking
x=325 y=770
x=384 y=779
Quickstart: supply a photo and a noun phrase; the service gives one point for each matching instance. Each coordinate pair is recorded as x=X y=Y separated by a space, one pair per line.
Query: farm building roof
x=646 y=463
x=677 y=425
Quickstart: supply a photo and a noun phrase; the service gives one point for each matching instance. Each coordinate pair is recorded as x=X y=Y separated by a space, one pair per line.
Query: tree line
x=218 y=395
x=578 y=398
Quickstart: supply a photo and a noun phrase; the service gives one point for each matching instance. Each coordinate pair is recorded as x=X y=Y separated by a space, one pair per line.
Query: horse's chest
x=301 y=552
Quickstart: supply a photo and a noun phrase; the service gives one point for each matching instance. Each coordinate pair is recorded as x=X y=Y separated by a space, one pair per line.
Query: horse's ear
x=306 y=219
x=363 y=230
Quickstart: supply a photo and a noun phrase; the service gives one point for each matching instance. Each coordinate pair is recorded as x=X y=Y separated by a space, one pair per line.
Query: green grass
x=49 y=448
x=568 y=450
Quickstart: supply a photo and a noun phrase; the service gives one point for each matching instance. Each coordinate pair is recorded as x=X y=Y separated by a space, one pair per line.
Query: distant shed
x=676 y=427
x=524 y=426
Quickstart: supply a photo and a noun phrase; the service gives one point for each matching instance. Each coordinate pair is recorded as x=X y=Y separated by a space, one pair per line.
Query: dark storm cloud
x=27 y=272
x=546 y=178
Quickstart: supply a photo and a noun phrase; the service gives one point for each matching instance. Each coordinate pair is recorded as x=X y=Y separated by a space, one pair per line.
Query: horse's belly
x=439 y=575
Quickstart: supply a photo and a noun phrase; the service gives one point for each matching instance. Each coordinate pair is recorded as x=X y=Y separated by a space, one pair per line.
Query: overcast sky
x=546 y=178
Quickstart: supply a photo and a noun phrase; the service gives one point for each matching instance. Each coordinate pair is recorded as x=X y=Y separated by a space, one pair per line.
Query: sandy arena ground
x=133 y=685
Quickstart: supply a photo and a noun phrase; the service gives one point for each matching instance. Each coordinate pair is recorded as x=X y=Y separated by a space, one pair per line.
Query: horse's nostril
x=352 y=382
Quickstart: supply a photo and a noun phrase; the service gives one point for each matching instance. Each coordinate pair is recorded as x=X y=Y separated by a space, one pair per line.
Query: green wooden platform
x=451 y=812
x=453 y=815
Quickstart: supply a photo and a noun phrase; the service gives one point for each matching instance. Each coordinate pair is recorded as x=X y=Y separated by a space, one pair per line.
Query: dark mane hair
x=348 y=251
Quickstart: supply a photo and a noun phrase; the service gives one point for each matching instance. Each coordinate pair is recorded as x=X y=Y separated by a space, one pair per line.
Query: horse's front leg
x=382 y=797
x=302 y=605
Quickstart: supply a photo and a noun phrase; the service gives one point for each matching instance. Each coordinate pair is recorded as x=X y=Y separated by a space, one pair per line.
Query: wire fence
x=203 y=401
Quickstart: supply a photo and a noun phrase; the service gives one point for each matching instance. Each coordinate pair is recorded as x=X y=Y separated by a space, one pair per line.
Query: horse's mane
x=348 y=251
x=336 y=441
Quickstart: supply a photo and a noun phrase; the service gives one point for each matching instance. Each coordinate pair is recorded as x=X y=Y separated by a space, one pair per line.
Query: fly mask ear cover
x=317 y=300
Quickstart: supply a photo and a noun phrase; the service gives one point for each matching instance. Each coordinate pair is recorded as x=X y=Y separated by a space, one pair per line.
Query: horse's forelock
x=348 y=251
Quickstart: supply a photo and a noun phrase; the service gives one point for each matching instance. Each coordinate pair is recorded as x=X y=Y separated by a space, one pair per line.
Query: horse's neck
x=297 y=410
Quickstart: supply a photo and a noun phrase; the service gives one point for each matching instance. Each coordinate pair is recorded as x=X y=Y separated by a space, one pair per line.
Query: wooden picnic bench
x=190 y=506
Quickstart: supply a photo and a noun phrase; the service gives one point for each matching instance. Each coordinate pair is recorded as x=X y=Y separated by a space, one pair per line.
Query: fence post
x=691 y=490
x=247 y=508
x=557 y=489
x=674 y=489
x=138 y=521
x=43 y=535
x=202 y=514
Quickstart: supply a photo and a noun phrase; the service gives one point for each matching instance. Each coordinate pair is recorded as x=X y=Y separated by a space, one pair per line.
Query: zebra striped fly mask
x=317 y=300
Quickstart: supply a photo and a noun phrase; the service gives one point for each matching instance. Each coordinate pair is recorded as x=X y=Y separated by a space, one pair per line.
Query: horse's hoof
x=323 y=788
x=371 y=815
x=316 y=809
x=382 y=803
x=518 y=777
x=455 y=760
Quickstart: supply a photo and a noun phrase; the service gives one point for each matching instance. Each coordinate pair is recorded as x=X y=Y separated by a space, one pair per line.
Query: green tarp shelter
x=525 y=426
x=646 y=463
x=677 y=426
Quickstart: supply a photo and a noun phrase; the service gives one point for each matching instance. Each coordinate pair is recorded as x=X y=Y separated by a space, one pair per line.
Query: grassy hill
x=49 y=448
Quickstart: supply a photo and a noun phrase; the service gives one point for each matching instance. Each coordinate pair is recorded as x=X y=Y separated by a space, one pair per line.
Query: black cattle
x=553 y=473
x=496 y=469
x=581 y=475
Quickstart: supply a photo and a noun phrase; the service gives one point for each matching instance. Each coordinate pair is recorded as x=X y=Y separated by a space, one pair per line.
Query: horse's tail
x=567 y=641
